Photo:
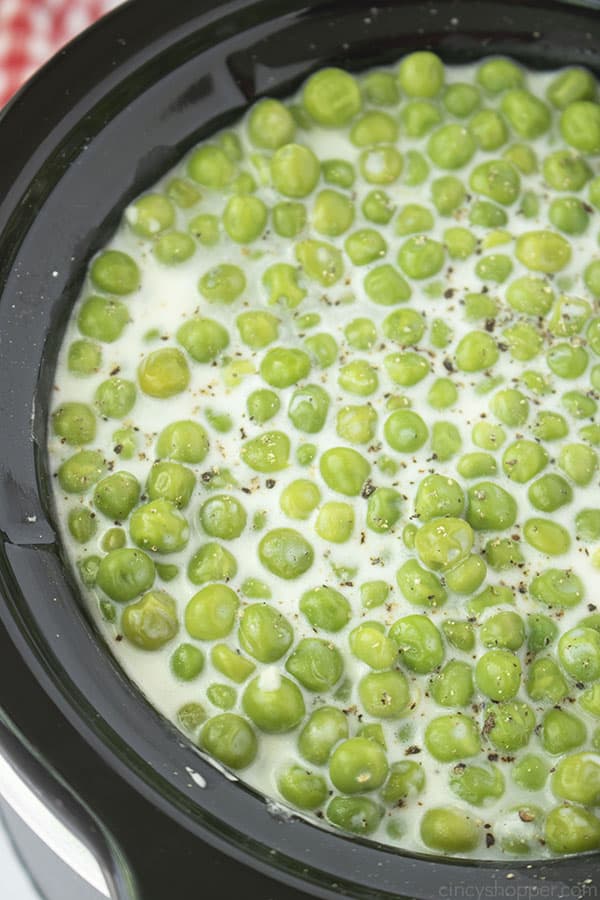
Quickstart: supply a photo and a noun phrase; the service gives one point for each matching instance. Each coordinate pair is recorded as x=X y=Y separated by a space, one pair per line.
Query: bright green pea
x=231 y=663
x=205 y=228
x=374 y=593
x=270 y=124
x=406 y=368
x=84 y=357
x=325 y=608
x=490 y=507
x=438 y=495
x=476 y=465
x=115 y=397
x=262 y=405
x=491 y=596
x=356 y=424
x=210 y=166
x=419 y=642
x=476 y=784
x=451 y=146
x=459 y=634
x=561 y=732
x=377 y=207
x=587 y=524
x=530 y=772
x=282 y=366
x=452 y=685
x=546 y=536
x=416 y=168
x=523 y=157
x=374 y=127
x=420 y=587
x=230 y=739
x=316 y=664
x=158 y=526
x=511 y=407
x=591 y=278
x=380 y=88
x=264 y=632
x=211 y=562
x=384 y=695
x=332 y=97
x=495 y=267
x=82 y=524
x=151 y=622
x=421 y=74
x=421 y=257
x=221 y=695
x=580 y=126
x=543 y=251
x=358 y=765
x=461 y=99
x=80 y=472
x=546 y=682
x=88 y=567
x=184 y=441
x=488 y=129
x=365 y=246
x=324 y=728
x=530 y=295
x=172 y=481
x=504 y=629
x=487 y=215
x=571 y=85
x=115 y=272
x=523 y=460
x=335 y=522
x=567 y=360
x=383 y=510
x=448 y=194
x=442 y=543
x=413 y=218
x=442 y=394
x=285 y=553
x=244 y=218
x=303 y=789
x=339 y=172
x=269 y=452
x=116 y=495
x=187 y=661
x=579 y=653
x=361 y=334
x=344 y=470
x=503 y=553
x=466 y=576
x=204 y=339
x=295 y=170
x=481 y=306
x=476 y=351
x=125 y=573
x=275 y=706
x=509 y=725
x=452 y=737
x=288 y=218
x=496 y=179
x=499 y=74
x=386 y=286
x=577 y=778
x=565 y=170
x=182 y=193
x=405 y=431
x=257 y=328
x=579 y=462
x=223 y=516
x=369 y=644
x=333 y=213
x=528 y=115
x=569 y=215
x=164 y=373
x=222 y=284
x=445 y=440
x=381 y=165
x=173 y=248
x=75 y=423
x=419 y=116
x=320 y=261
x=549 y=493
x=569 y=316
x=300 y=498
x=572 y=829
x=356 y=815
x=308 y=408
x=498 y=674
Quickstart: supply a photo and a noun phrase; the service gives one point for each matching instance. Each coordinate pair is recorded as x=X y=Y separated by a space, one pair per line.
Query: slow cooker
x=103 y=796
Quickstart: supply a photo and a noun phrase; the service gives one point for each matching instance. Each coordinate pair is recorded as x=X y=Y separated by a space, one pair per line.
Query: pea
x=301 y=788
x=503 y=553
x=88 y=569
x=572 y=829
x=449 y=830
x=565 y=170
x=496 y=179
x=580 y=126
x=285 y=553
x=448 y=194
x=369 y=644
x=528 y=115
x=421 y=74
x=579 y=462
x=116 y=495
x=269 y=452
x=230 y=739
x=84 y=357
x=151 y=622
x=491 y=596
x=488 y=129
x=211 y=612
x=377 y=207
x=523 y=460
x=524 y=341
x=204 y=339
x=546 y=682
x=324 y=728
x=125 y=573
x=335 y=522
x=381 y=165
x=589 y=700
x=308 y=408
x=419 y=642
x=441 y=543
x=316 y=664
x=374 y=593
x=530 y=772
x=187 y=661
x=358 y=765
x=438 y=495
x=210 y=166
x=421 y=257
x=356 y=815
x=549 y=493
x=451 y=146
x=80 y=472
x=325 y=608
x=102 y=319
x=587 y=524
x=579 y=653
x=577 y=778
x=452 y=737
x=299 y=499
x=75 y=423
x=490 y=507
x=487 y=215
x=567 y=361
x=498 y=674
x=561 y=732
x=543 y=251
x=344 y=470
x=82 y=524
x=442 y=394
x=476 y=784
x=262 y=405
x=523 y=157
x=275 y=705
x=405 y=431
x=115 y=272
x=476 y=465
x=384 y=695
x=459 y=634
x=270 y=124
x=453 y=684
x=445 y=440
x=211 y=562
x=509 y=725
x=223 y=516
x=461 y=99
x=467 y=575
x=184 y=441
x=282 y=367
x=331 y=97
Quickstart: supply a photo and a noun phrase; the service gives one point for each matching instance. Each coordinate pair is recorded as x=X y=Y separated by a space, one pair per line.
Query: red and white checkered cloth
x=31 y=31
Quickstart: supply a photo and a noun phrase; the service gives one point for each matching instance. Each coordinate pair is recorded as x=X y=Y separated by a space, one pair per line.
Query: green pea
x=211 y=562
x=453 y=684
x=211 y=612
x=421 y=257
x=467 y=575
x=416 y=168
x=438 y=495
x=84 y=357
x=369 y=644
x=543 y=251
x=356 y=815
x=308 y=408
x=172 y=481
x=488 y=129
x=164 y=373
x=496 y=179
x=381 y=165
x=384 y=695
x=288 y=218
x=565 y=170
x=579 y=653
x=421 y=74
x=82 y=524
x=445 y=440
x=303 y=789
x=204 y=339
x=441 y=543
x=125 y=573
x=187 y=662
x=270 y=124
x=449 y=830
x=116 y=495
x=316 y=664
x=523 y=157
x=75 y=423
x=88 y=569
x=481 y=306
x=577 y=778
x=115 y=398
x=405 y=431
x=185 y=441
x=509 y=725
x=476 y=351
x=419 y=642
x=102 y=319
x=459 y=634
x=491 y=596
x=383 y=510
x=561 y=732
x=377 y=207
x=374 y=593
x=115 y=272
x=495 y=267
x=579 y=462
x=549 y=493
x=504 y=629
x=231 y=663
x=361 y=334
x=580 y=126
x=295 y=170
x=380 y=89
x=262 y=405
x=344 y=470
x=530 y=772
x=222 y=284
x=182 y=193
x=159 y=526
x=498 y=674
x=374 y=127
x=358 y=765
x=339 y=172
x=305 y=454
x=487 y=215
x=546 y=536
x=591 y=433
x=499 y=74
x=300 y=498
x=210 y=166
x=451 y=146
x=205 y=228
x=223 y=516
x=406 y=368
x=331 y=97
x=150 y=215
x=452 y=737
x=412 y=219
x=476 y=784
x=420 y=587
x=80 y=472
x=386 y=286
x=572 y=829
x=325 y=608
x=567 y=361
x=571 y=85
x=221 y=695
x=531 y=296
x=448 y=194
x=503 y=553
x=324 y=728
x=461 y=99
x=151 y=622
x=528 y=115
x=476 y=465
x=523 y=340
x=591 y=277
x=356 y=424
x=523 y=460
x=230 y=739
x=274 y=705
x=569 y=215
x=335 y=522
x=419 y=116
x=281 y=367
x=546 y=682
x=587 y=524
x=269 y=452
x=490 y=507
x=442 y=394
x=173 y=248
x=285 y=553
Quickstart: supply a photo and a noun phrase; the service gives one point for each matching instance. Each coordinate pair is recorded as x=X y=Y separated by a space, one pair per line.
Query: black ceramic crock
x=99 y=124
